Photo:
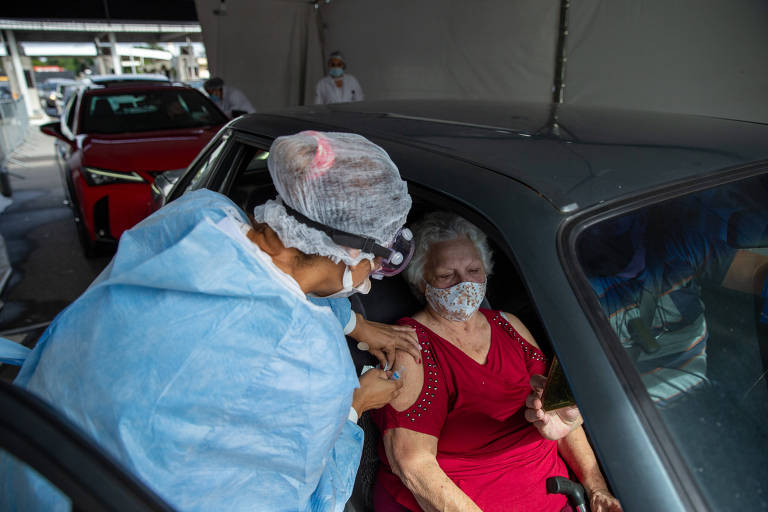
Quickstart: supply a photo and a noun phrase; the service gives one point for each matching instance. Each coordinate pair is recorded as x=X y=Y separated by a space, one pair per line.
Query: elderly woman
x=456 y=437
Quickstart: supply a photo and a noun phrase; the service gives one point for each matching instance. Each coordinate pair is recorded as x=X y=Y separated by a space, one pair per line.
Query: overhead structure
x=104 y=24
x=684 y=56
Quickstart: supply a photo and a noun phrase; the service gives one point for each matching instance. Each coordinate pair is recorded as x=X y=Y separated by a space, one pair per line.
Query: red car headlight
x=95 y=177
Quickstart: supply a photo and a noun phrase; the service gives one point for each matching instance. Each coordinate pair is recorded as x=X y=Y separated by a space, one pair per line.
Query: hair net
x=341 y=180
x=337 y=55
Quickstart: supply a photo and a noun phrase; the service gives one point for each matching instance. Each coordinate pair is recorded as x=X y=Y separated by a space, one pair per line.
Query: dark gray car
x=570 y=198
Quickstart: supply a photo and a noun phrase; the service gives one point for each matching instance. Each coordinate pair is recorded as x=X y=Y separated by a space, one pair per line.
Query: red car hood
x=146 y=151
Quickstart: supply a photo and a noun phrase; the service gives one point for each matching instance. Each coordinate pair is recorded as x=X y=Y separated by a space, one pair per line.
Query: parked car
x=112 y=142
x=540 y=180
x=52 y=94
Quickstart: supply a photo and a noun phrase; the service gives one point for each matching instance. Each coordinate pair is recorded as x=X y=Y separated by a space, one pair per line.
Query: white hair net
x=340 y=180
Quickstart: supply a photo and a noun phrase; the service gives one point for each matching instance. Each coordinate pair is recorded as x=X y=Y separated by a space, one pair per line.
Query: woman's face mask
x=335 y=72
x=458 y=302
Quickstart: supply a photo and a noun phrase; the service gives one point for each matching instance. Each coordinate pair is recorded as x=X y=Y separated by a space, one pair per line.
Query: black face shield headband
x=394 y=259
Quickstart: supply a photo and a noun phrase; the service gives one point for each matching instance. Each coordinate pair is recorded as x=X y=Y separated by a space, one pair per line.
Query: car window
x=150 y=110
x=19 y=476
x=203 y=168
x=251 y=183
x=683 y=285
x=69 y=114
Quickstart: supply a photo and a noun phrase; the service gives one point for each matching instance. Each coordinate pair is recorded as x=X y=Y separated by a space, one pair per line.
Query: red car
x=114 y=139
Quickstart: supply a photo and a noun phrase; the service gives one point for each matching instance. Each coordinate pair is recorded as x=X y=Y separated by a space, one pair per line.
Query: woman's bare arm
x=577 y=453
x=412 y=456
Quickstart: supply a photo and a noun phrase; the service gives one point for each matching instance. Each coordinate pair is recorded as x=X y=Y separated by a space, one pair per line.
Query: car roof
x=153 y=77
x=136 y=87
x=574 y=156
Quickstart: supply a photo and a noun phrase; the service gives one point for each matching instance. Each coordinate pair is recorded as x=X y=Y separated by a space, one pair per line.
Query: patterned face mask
x=457 y=302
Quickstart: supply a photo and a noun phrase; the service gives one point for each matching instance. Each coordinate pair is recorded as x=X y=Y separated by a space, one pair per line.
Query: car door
x=698 y=374
x=34 y=437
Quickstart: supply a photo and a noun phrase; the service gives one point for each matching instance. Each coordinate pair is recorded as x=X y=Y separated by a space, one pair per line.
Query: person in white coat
x=231 y=100
x=337 y=86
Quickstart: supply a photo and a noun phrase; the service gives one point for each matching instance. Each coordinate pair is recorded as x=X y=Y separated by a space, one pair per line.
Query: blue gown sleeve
x=342 y=310
x=338 y=479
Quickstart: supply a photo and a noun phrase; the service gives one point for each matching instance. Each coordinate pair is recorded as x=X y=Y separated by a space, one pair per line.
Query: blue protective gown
x=204 y=370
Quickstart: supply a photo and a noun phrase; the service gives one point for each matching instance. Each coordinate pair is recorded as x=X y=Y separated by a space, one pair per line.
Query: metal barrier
x=14 y=122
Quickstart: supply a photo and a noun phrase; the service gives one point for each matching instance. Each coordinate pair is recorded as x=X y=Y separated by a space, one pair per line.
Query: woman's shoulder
x=516 y=324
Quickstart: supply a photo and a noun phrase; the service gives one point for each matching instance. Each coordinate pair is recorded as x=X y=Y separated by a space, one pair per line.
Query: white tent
x=695 y=56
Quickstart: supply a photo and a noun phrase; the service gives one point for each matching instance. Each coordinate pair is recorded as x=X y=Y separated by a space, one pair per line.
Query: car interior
x=391 y=298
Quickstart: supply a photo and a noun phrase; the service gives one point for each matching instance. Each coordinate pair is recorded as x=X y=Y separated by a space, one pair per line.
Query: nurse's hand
x=383 y=340
x=553 y=425
x=376 y=390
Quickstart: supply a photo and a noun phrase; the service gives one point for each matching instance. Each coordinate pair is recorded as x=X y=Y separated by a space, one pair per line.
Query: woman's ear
x=422 y=286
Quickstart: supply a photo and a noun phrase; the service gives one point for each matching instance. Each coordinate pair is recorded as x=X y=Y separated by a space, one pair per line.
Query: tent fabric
x=685 y=56
x=266 y=48
x=204 y=369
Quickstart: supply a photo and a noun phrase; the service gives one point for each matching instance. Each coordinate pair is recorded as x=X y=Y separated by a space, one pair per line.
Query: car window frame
x=222 y=138
x=568 y=233
x=241 y=140
x=69 y=109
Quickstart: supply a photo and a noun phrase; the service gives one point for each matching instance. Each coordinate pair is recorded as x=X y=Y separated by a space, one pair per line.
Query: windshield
x=148 y=111
x=683 y=285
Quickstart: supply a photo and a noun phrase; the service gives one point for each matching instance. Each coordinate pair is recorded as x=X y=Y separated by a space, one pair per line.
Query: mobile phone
x=557 y=393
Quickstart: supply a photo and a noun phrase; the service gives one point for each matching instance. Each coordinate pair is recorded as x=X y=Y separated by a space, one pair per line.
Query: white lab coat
x=234 y=99
x=327 y=92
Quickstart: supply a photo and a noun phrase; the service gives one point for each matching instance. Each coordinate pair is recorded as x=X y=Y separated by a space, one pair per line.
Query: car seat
x=389 y=300
x=102 y=108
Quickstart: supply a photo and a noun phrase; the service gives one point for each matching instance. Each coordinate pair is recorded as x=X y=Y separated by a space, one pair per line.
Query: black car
x=549 y=185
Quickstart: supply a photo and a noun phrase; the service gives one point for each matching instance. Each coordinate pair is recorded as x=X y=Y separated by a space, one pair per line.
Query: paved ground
x=49 y=268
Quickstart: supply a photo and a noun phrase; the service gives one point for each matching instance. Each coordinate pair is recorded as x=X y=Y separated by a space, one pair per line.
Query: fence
x=14 y=122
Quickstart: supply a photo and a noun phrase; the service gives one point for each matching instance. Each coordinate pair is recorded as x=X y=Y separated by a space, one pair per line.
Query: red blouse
x=485 y=445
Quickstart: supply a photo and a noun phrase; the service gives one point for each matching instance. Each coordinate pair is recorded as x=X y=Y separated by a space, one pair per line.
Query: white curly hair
x=438 y=227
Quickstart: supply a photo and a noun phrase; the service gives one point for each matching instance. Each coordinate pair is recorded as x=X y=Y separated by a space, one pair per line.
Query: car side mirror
x=748 y=229
x=54 y=130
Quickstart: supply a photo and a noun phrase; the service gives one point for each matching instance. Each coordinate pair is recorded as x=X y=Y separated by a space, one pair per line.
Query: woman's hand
x=383 y=340
x=376 y=390
x=601 y=500
x=553 y=425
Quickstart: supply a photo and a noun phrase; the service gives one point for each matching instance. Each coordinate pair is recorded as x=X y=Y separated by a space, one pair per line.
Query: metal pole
x=21 y=81
x=558 y=92
x=116 y=66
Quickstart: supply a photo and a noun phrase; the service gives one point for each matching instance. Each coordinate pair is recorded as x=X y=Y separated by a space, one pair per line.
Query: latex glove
x=383 y=340
x=376 y=390
x=553 y=425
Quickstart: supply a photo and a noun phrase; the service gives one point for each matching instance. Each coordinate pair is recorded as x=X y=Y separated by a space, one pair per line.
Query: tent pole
x=321 y=34
x=560 y=58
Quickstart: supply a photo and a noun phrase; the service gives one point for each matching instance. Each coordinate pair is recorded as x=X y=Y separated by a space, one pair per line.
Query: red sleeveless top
x=485 y=445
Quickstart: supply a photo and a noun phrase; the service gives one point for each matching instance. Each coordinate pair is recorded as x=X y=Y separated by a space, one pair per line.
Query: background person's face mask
x=457 y=302
x=335 y=72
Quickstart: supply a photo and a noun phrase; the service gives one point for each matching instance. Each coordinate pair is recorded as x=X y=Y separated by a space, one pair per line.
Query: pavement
x=48 y=267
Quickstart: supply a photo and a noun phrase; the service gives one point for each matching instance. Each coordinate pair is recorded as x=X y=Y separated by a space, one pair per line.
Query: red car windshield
x=149 y=110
